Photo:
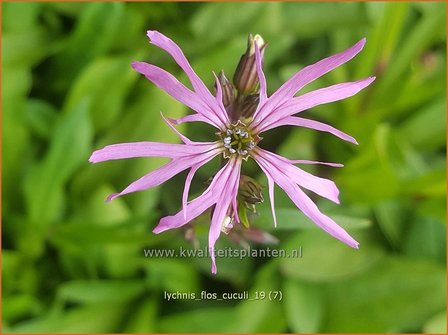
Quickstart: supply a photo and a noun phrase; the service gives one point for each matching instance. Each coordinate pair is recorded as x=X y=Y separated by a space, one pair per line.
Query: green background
x=72 y=263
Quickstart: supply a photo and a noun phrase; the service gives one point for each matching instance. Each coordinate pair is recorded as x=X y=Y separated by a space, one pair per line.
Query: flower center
x=238 y=140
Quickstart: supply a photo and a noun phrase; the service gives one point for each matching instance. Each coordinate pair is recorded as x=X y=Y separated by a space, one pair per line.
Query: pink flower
x=238 y=141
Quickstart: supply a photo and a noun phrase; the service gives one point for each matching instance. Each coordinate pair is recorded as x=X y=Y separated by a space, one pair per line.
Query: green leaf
x=436 y=325
x=171 y=275
x=235 y=270
x=20 y=17
x=106 y=83
x=69 y=149
x=426 y=237
x=305 y=20
x=294 y=219
x=426 y=129
x=15 y=134
x=20 y=306
x=304 y=304
x=96 y=209
x=318 y=266
x=78 y=235
x=204 y=320
x=392 y=217
x=97 y=318
x=264 y=314
x=387 y=20
x=41 y=117
x=204 y=27
x=144 y=318
x=384 y=299
x=100 y=291
x=383 y=169
x=29 y=237
x=418 y=39
x=94 y=35
x=25 y=48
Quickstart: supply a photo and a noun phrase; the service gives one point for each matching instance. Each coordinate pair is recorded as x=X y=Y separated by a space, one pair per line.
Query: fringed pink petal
x=141 y=149
x=301 y=161
x=199 y=205
x=311 y=99
x=306 y=76
x=261 y=77
x=306 y=205
x=189 y=118
x=183 y=138
x=226 y=197
x=321 y=186
x=175 y=51
x=219 y=93
x=316 y=125
x=167 y=82
x=195 y=208
x=271 y=198
x=166 y=172
x=188 y=180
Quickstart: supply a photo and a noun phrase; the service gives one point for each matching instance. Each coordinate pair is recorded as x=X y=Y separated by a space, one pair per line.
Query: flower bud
x=250 y=191
x=245 y=78
x=248 y=106
x=227 y=90
x=242 y=236
x=259 y=236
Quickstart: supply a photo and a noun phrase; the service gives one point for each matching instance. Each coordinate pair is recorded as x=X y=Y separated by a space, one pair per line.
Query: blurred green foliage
x=72 y=263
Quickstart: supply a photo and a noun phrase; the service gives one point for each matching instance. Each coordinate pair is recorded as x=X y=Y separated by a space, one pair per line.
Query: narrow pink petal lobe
x=189 y=118
x=305 y=204
x=219 y=92
x=261 y=76
x=195 y=208
x=311 y=99
x=271 y=198
x=324 y=187
x=226 y=196
x=301 y=161
x=167 y=82
x=141 y=149
x=167 y=171
x=311 y=73
x=175 y=51
x=183 y=138
x=188 y=180
x=316 y=125
x=198 y=205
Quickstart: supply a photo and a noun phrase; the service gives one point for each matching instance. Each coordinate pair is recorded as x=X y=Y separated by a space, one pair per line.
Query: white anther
x=227 y=140
x=232 y=151
x=229 y=132
x=226 y=225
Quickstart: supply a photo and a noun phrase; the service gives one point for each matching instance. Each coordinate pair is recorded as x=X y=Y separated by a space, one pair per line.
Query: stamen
x=238 y=139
